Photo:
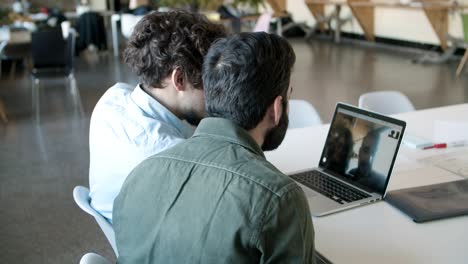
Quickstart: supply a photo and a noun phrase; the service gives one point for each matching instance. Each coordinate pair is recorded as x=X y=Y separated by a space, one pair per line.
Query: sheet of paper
x=455 y=162
x=445 y=131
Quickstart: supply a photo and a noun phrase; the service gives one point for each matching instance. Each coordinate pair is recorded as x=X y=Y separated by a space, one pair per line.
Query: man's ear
x=276 y=110
x=178 y=79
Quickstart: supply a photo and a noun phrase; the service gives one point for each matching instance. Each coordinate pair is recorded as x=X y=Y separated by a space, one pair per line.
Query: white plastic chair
x=93 y=258
x=128 y=22
x=82 y=199
x=386 y=102
x=263 y=23
x=302 y=114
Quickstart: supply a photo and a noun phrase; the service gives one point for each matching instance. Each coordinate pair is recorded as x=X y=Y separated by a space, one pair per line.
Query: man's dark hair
x=244 y=73
x=164 y=41
x=374 y=136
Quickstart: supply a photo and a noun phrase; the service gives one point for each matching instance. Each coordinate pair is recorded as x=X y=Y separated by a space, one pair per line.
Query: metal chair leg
x=13 y=69
x=3 y=115
x=35 y=98
x=75 y=94
x=462 y=62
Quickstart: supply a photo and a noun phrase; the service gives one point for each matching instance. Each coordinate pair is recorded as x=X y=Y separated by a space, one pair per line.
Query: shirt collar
x=228 y=130
x=156 y=110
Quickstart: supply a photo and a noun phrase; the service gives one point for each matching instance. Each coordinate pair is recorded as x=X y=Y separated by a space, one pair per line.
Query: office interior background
x=44 y=125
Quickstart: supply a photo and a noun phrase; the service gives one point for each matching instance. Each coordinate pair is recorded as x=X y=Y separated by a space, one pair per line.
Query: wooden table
x=436 y=11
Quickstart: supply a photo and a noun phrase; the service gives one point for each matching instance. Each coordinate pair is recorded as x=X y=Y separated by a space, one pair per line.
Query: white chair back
x=386 y=102
x=93 y=258
x=302 y=114
x=82 y=199
x=128 y=22
x=263 y=23
x=66 y=26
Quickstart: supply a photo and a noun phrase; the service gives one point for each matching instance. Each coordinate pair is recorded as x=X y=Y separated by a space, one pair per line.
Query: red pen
x=459 y=143
x=439 y=146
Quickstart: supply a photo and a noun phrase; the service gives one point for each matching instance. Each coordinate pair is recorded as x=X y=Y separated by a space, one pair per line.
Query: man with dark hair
x=166 y=51
x=214 y=198
x=338 y=149
x=365 y=172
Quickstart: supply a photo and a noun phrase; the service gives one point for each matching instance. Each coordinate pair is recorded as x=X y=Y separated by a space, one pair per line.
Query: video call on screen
x=361 y=149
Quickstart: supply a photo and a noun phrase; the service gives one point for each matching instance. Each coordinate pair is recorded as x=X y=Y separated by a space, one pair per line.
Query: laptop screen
x=361 y=147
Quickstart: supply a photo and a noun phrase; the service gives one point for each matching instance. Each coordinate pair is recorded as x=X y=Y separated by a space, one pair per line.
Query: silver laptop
x=356 y=162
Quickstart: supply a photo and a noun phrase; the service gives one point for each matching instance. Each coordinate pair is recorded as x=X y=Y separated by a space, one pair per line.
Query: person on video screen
x=340 y=145
x=364 y=172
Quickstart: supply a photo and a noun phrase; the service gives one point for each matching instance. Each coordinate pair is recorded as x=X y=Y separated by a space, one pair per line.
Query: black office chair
x=91 y=29
x=52 y=57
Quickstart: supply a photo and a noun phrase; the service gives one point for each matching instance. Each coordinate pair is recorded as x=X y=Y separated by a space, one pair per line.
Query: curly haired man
x=129 y=124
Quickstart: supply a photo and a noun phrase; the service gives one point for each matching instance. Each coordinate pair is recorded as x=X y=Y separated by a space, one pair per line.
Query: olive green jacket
x=212 y=199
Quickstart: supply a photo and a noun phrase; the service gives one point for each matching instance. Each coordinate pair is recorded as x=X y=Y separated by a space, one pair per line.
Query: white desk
x=380 y=233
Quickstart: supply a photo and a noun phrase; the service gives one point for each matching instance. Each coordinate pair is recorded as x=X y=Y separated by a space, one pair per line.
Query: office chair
x=465 y=32
x=92 y=31
x=128 y=22
x=279 y=9
x=51 y=55
x=82 y=199
x=302 y=114
x=263 y=23
x=386 y=102
x=93 y=258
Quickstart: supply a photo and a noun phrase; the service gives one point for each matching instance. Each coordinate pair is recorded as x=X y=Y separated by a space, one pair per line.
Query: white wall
x=396 y=23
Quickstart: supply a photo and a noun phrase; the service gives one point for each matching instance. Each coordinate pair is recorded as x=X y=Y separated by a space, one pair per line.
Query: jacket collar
x=229 y=131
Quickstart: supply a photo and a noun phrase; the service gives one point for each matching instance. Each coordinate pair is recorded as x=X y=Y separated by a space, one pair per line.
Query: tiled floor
x=42 y=159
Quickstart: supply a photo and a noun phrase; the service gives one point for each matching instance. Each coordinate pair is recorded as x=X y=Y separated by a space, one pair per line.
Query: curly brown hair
x=164 y=41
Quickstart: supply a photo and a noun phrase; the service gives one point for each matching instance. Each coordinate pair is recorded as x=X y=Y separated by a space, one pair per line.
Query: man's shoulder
x=112 y=106
x=114 y=101
x=266 y=175
x=115 y=94
x=229 y=158
x=117 y=114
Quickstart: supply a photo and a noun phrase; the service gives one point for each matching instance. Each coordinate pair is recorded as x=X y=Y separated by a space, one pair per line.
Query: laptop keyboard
x=334 y=189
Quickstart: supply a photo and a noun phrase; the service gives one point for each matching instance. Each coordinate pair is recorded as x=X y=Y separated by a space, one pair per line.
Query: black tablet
x=432 y=202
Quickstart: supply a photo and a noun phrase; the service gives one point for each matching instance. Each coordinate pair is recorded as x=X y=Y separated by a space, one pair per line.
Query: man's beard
x=275 y=136
x=192 y=118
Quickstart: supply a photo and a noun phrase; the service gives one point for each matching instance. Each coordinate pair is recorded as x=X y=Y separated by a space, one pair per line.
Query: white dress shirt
x=126 y=128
